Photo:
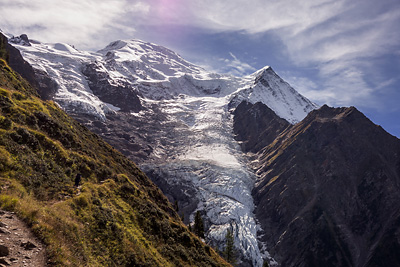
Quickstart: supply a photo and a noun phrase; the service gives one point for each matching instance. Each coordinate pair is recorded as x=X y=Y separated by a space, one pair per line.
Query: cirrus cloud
x=79 y=22
x=342 y=39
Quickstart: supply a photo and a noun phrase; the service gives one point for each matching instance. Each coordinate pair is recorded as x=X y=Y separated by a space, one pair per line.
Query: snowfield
x=205 y=153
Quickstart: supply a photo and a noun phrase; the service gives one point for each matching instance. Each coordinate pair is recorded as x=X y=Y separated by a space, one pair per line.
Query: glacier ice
x=213 y=163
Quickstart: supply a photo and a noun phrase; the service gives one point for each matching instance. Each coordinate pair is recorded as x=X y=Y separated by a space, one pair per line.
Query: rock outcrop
x=119 y=93
x=39 y=79
x=256 y=126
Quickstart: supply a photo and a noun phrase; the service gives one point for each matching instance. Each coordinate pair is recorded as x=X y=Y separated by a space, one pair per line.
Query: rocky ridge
x=326 y=192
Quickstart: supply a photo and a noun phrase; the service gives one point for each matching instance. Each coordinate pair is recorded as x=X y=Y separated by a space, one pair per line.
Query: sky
x=335 y=52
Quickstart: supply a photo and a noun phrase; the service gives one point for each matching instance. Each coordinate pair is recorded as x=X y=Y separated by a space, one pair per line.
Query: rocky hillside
x=327 y=189
x=116 y=217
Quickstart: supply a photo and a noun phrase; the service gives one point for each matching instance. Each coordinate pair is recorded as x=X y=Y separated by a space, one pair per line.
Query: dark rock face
x=118 y=132
x=46 y=86
x=16 y=61
x=3 y=48
x=182 y=193
x=21 y=66
x=21 y=40
x=40 y=80
x=256 y=126
x=4 y=251
x=327 y=193
x=129 y=133
x=118 y=93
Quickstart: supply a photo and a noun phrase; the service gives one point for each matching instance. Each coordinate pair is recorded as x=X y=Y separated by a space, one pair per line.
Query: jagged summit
x=335 y=115
x=138 y=47
x=270 y=89
x=261 y=72
x=267 y=74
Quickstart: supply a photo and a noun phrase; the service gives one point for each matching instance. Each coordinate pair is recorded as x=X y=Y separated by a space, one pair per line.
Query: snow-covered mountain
x=174 y=119
x=157 y=73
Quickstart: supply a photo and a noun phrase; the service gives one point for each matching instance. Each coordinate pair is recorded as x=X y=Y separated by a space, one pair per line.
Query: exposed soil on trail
x=18 y=246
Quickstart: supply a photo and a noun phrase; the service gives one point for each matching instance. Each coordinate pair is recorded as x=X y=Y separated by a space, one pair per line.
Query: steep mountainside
x=118 y=217
x=174 y=119
x=327 y=191
x=256 y=126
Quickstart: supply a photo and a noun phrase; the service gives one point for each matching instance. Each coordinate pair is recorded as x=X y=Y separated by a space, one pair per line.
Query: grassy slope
x=120 y=218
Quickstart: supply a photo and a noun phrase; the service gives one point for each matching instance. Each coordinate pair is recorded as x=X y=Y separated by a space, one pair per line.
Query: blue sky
x=340 y=52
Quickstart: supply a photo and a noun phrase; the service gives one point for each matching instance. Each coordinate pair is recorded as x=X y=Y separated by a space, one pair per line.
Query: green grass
x=119 y=217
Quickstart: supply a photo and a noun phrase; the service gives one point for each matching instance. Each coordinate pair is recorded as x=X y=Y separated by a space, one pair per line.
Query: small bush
x=5 y=123
x=5 y=159
x=81 y=201
x=19 y=96
x=8 y=202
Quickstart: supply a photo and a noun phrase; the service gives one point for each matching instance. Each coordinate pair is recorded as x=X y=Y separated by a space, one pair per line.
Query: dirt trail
x=18 y=246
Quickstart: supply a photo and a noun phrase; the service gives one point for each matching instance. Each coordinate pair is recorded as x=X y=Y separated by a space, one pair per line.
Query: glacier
x=196 y=105
x=213 y=163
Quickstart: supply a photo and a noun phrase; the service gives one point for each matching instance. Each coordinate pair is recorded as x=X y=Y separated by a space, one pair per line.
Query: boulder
x=4 y=251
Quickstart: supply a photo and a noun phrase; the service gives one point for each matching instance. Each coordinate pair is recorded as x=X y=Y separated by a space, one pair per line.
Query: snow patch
x=112 y=107
x=63 y=47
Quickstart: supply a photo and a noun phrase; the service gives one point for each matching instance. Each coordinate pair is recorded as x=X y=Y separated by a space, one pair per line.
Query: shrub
x=5 y=159
x=5 y=123
x=81 y=201
x=8 y=202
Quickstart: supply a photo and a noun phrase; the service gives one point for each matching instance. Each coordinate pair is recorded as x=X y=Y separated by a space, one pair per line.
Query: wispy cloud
x=228 y=65
x=338 y=37
x=234 y=66
x=80 y=22
x=341 y=38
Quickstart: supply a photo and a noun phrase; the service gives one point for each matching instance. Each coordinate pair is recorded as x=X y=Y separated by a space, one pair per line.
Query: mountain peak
x=326 y=113
x=266 y=70
x=138 y=47
x=118 y=44
x=153 y=62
